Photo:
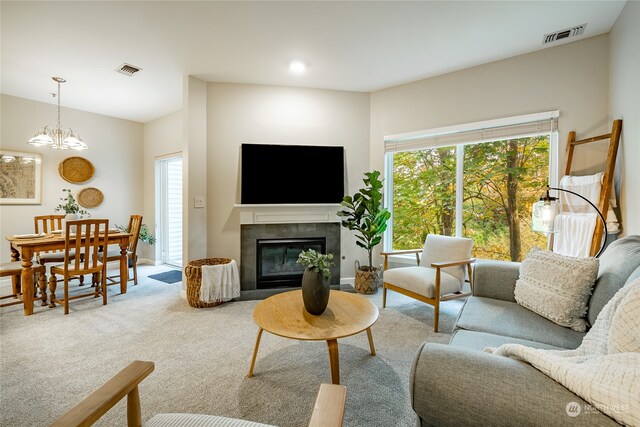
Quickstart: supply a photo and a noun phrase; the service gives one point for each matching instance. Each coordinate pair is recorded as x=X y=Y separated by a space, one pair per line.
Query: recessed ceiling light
x=297 y=67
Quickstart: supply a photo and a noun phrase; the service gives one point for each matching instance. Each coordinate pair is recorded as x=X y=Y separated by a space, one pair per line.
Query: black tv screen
x=295 y=174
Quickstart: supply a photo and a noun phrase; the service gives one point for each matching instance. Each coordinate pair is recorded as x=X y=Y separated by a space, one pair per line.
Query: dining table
x=23 y=249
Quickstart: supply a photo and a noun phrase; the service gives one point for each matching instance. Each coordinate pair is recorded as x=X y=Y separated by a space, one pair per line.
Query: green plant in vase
x=70 y=205
x=364 y=214
x=316 y=280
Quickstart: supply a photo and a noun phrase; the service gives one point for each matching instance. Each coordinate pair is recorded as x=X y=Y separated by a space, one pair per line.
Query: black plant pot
x=315 y=291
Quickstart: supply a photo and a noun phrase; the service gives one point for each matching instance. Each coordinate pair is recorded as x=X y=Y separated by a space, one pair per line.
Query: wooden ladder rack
x=607 y=180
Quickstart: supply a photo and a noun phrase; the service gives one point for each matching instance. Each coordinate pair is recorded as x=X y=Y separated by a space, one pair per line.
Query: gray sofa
x=458 y=384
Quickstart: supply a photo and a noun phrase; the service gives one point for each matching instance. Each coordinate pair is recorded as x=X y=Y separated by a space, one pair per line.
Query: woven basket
x=193 y=271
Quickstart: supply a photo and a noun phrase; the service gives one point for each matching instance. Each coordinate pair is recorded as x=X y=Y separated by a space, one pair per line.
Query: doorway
x=169 y=209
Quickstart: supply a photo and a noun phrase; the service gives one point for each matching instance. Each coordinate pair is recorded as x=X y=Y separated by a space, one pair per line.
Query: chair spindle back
x=88 y=236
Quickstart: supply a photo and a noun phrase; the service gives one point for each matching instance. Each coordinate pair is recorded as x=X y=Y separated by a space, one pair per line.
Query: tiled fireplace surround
x=285 y=222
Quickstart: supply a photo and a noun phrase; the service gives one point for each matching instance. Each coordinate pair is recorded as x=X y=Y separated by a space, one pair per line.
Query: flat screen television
x=291 y=174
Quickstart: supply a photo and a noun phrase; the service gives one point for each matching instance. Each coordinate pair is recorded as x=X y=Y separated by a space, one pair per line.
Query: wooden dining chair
x=48 y=224
x=135 y=222
x=14 y=269
x=90 y=234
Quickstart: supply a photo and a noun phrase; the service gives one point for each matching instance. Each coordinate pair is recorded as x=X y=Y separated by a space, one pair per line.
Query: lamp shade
x=543 y=216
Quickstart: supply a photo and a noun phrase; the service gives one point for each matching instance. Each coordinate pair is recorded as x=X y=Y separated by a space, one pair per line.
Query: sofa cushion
x=439 y=248
x=617 y=262
x=633 y=276
x=480 y=340
x=512 y=320
x=421 y=280
x=557 y=287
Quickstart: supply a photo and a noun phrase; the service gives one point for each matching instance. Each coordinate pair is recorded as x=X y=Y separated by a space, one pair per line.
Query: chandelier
x=57 y=138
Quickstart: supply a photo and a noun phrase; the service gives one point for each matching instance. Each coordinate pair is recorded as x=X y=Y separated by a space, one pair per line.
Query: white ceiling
x=353 y=46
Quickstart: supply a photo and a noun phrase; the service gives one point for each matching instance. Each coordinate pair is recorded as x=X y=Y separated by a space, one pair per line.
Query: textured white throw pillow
x=557 y=287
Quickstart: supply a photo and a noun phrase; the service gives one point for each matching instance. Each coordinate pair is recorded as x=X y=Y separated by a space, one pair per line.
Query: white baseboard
x=148 y=261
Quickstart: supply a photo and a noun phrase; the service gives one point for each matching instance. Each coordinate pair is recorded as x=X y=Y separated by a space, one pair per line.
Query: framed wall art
x=20 y=178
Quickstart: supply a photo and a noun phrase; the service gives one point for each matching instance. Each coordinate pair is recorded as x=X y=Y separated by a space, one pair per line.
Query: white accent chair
x=328 y=410
x=438 y=276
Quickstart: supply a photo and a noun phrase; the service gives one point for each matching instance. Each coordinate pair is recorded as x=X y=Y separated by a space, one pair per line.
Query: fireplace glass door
x=277 y=266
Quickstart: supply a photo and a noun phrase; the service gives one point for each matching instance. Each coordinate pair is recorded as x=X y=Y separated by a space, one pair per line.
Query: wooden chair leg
x=436 y=316
x=42 y=283
x=66 y=295
x=53 y=283
x=16 y=284
x=135 y=271
x=103 y=278
x=384 y=295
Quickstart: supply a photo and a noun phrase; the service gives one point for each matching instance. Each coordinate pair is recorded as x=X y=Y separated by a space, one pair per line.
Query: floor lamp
x=546 y=209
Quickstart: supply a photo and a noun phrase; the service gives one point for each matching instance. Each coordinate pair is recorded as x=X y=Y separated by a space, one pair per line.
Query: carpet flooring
x=172 y=276
x=49 y=362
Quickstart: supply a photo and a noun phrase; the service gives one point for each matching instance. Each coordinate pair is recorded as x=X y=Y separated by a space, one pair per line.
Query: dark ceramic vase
x=315 y=291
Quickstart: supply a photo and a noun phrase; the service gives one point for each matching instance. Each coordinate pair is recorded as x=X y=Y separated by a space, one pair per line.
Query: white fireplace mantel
x=288 y=213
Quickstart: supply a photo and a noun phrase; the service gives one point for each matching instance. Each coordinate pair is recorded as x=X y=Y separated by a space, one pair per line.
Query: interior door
x=170 y=212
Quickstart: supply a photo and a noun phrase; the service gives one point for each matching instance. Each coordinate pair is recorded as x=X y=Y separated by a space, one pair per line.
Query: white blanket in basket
x=605 y=369
x=220 y=282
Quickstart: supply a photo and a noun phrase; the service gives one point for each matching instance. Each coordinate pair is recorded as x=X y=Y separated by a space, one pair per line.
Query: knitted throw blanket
x=605 y=369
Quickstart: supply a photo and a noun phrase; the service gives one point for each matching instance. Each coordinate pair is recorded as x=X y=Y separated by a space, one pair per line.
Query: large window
x=483 y=190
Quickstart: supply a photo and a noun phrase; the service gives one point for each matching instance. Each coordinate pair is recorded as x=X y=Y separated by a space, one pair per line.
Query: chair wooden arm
x=444 y=264
x=328 y=410
x=407 y=251
x=100 y=401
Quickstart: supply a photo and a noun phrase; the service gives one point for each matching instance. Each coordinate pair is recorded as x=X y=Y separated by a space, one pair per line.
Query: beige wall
x=115 y=150
x=238 y=113
x=162 y=138
x=195 y=229
x=625 y=104
x=572 y=78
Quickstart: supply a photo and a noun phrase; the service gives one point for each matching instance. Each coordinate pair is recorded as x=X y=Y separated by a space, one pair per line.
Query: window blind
x=492 y=130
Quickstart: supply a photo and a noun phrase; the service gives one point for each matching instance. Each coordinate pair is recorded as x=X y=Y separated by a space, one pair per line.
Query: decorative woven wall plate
x=76 y=170
x=90 y=197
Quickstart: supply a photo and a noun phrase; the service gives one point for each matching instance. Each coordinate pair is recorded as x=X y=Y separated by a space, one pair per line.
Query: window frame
x=460 y=129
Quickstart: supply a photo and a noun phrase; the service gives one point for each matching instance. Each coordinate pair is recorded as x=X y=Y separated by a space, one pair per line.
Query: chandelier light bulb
x=58 y=139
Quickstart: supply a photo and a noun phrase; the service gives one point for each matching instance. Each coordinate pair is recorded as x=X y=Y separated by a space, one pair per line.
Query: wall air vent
x=564 y=34
x=128 y=69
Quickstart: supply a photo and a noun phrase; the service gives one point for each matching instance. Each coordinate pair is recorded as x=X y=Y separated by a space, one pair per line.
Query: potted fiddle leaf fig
x=363 y=213
x=316 y=280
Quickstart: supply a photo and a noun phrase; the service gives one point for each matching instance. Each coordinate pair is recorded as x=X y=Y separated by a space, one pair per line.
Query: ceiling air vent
x=128 y=69
x=564 y=34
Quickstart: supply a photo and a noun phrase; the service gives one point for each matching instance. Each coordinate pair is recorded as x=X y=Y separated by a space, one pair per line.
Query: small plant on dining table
x=314 y=259
x=70 y=206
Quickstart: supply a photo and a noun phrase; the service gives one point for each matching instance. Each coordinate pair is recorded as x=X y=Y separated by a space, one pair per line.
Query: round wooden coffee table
x=346 y=314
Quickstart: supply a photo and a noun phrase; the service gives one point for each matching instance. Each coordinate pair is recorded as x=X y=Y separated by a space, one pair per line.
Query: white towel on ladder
x=589 y=187
x=220 y=282
x=575 y=233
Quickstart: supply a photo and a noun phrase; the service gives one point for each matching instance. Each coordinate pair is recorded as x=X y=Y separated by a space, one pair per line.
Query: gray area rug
x=50 y=361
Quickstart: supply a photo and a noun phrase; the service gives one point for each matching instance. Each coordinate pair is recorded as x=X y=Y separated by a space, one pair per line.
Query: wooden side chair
x=328 y=410
x=438 y=276
x=135 y=222
x=14 y=269
x=90 y=234
x=48 y=224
